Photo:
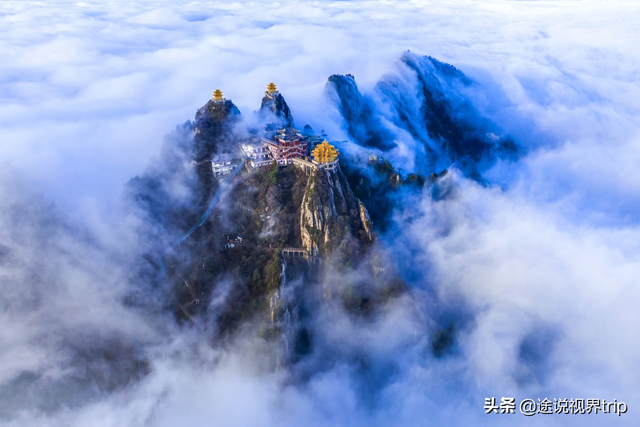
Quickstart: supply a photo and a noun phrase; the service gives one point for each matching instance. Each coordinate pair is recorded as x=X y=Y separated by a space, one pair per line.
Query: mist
x=534 y=268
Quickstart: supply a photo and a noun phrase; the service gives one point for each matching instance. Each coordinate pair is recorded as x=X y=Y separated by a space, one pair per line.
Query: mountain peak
x=273 y=104
x=428 y=107
x=358 y=112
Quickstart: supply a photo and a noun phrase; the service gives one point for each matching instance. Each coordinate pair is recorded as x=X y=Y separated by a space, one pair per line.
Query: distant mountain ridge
x=429 y=100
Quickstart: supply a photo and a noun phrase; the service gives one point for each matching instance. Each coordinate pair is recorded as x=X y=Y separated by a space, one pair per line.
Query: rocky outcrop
x=433 y=102
x=366 y=221
x=213 y=129
x=331 y=213
x=362 y=122
x=312 y=220
x=275 y=105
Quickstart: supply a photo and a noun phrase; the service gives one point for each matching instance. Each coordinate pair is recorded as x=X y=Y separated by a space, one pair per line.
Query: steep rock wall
x=330 y=213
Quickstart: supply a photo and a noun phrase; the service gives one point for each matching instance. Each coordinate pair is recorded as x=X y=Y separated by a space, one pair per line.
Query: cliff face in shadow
x=274 y=107
x=433 y=103
x=213 y=129
x=358 y=111
x=172 y=190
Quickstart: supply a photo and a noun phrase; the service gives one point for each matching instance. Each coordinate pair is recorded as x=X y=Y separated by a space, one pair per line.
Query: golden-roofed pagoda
x=325 y=153
x=271 y=88
x=217 y=95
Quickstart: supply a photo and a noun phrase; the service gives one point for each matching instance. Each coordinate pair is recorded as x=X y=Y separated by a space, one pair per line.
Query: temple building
x=272 y=90
x=221 y=166
x=325 y=156
x=285 y=145
x=217 y=96
x=257 y=153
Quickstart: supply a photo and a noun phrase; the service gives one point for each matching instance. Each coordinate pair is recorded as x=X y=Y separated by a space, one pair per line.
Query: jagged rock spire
x=325 y=153
x=274 y=102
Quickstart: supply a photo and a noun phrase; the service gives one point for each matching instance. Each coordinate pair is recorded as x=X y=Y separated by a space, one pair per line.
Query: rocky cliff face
x=433 y=103
x=213 y=128
x=276 y=106
x=365 y=219
x=359 y=113
x=330 y=215
x=170 y=192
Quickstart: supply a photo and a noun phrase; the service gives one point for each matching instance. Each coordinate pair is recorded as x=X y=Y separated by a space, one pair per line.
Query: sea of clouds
x=540 y=270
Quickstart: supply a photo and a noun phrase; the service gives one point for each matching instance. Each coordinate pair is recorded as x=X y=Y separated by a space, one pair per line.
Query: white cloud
x=87 y=91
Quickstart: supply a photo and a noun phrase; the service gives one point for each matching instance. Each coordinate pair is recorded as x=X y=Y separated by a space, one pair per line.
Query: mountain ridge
x=302 y=223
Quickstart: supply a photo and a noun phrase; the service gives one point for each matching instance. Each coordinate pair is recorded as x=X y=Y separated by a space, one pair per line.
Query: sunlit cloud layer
x=548 y=257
